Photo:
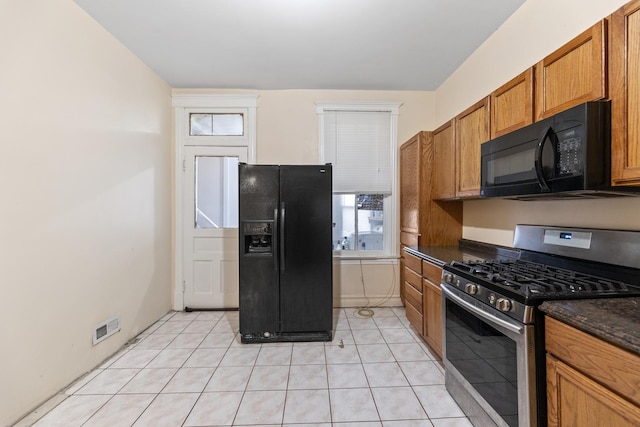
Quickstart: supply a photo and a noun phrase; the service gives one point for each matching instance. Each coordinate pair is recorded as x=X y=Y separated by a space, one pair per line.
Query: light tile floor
x=190 y=369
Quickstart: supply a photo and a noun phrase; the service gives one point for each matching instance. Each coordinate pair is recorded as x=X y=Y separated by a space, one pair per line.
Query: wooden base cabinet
x=589 y=382
x=413 y=291
x=423 y=299
x=432 y=306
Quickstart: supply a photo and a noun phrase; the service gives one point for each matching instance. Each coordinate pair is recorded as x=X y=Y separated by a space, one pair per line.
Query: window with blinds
x=358 y=145
x=359 y=140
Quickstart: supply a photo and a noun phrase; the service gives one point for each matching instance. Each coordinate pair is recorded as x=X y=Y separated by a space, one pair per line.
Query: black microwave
x=566 y=155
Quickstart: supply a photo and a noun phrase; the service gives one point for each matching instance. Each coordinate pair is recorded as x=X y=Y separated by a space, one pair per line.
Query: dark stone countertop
x=616 y=320
x=468 y=250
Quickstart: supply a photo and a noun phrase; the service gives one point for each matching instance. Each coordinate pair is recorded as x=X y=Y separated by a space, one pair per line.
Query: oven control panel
x=489 y=297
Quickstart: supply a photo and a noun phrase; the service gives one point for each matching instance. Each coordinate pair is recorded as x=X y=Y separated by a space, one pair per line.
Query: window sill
x=365 y=259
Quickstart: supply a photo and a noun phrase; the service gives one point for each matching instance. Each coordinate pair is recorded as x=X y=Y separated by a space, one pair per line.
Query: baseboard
x=360 y=301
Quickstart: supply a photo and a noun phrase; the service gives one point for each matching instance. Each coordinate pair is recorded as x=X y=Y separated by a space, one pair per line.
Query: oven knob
x=503 y=304
x=492 y=299
x=471 y=288
x=448 y=277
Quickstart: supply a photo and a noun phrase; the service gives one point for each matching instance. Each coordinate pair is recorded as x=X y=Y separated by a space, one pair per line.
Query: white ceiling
x=302 y=44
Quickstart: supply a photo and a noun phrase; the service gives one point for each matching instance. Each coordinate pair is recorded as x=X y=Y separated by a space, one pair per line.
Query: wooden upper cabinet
x=471 y=130
x=573 y=74
x=624 y=80
x=415 y=185
x=512 y=105
x=444 y=162
x=409 y=185
x=422 y=220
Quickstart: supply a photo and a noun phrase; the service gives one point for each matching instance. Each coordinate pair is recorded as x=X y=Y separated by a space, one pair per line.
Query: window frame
x=208 y=113
x=390 y=207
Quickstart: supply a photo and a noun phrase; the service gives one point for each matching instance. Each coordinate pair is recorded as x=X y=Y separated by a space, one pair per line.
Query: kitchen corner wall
x=85 y=147
x=535 y=30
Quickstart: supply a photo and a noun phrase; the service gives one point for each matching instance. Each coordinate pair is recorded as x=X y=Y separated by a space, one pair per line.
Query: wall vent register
x=105 y=329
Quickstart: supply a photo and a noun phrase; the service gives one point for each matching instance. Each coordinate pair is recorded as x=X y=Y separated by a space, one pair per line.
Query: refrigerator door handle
x=282 y=249
x=274 y=236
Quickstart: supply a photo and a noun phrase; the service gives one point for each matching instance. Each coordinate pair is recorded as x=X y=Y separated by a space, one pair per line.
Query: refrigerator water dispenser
x=257 y=236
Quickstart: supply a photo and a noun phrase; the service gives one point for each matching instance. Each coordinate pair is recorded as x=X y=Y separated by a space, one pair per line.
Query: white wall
x=534 y=31
x=287 y=132
x=85 y=184
x=515 y=46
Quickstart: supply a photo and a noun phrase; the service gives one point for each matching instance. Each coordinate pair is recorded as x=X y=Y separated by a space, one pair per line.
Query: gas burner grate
x=532 y=279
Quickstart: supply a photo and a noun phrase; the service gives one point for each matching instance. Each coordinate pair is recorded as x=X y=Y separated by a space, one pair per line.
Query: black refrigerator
x=285 y=259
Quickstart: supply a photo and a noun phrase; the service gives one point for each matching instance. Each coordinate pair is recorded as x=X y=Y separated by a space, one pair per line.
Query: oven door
x=489 y=362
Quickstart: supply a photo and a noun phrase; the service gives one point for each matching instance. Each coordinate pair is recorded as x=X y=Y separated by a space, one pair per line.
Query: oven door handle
x=513 y=327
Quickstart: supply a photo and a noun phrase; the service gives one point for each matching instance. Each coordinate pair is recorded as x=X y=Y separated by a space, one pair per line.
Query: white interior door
x=210 y=226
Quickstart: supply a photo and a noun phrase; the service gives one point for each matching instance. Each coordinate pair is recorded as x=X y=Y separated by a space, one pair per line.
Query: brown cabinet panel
x=512 y=105
x=409 y=239
x=413 y=262
x=410 y=185
x=573 y=74
x=612 y=366
x=472 y=129
x=444 y=162
x=415 y=317
x=573 y=399
x=413 y=296
x=432 y=314
x=424 y=222
x=402 y=266
x=431 y=272
x=413 y=278
x=624 y=77
x=590 y=382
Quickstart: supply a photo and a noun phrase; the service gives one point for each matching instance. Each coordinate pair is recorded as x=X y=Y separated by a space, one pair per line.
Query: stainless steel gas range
x=493 y=331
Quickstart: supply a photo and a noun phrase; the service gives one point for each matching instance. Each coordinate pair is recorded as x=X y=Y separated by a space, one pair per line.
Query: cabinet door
x=573 y=399
x=472 y=129
x=410 y=185
x=444 y=162
x=624 y=78
x=573 y=74
x=512 y=105
x=432 y=307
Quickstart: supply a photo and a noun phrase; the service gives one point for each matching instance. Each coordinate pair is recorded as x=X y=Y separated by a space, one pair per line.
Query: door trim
x=181 y=102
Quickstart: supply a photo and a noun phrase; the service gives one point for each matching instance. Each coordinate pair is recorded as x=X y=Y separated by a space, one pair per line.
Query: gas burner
x=531 y=279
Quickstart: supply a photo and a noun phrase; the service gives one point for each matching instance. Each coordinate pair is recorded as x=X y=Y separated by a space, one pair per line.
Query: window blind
x=358 y=144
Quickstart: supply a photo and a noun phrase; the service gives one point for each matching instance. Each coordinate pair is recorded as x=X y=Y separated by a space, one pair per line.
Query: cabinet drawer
x=414 y=317
x=432 y=272
x=413 y=278
x=413 y=262
x=413 y=296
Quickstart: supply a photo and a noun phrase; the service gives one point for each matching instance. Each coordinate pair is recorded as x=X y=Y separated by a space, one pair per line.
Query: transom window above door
x=216 y=124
